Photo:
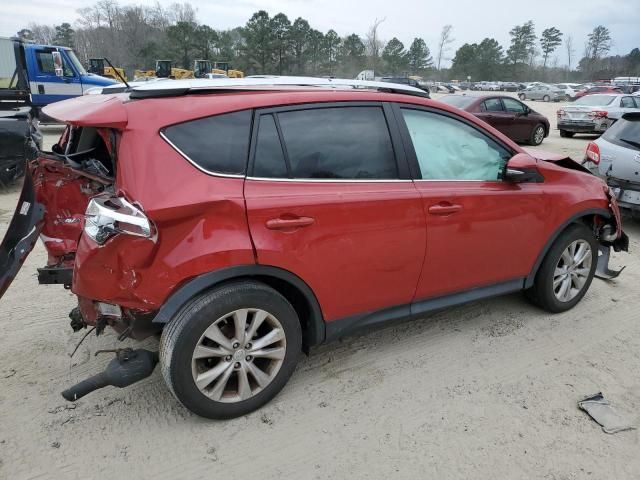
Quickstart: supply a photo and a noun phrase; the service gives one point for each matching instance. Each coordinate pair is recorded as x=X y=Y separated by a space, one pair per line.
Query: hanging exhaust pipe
x=129 y=366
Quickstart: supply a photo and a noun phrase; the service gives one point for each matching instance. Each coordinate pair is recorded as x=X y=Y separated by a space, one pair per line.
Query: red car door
x=481 y=231
x=328 y=200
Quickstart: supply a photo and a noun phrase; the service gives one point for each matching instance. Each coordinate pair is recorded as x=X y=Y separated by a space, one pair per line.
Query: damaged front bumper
x=611 y=236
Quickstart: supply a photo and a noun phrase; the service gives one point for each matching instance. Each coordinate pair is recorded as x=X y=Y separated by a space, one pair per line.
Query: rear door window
x=328 y=143
x=627 y=102
x=217 y=144
x=492 y=105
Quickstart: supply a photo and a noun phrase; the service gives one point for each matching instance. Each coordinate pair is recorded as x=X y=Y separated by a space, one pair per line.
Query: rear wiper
x=631 y=142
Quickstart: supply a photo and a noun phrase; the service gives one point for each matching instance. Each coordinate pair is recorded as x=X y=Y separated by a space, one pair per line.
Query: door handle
x=444 y=208
x=285 y=223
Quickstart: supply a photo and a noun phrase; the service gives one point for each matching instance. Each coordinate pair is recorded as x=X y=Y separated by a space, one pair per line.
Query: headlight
x=107 y=216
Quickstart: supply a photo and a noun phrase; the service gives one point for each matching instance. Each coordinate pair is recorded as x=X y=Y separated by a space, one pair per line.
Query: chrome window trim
x=213 y=174
x=446 y=180
x=329 y=180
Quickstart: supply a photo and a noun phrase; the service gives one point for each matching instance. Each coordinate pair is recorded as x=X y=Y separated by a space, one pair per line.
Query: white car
x=569 y=89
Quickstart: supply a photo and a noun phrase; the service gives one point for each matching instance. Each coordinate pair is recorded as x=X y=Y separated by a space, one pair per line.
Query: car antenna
x=116 y=72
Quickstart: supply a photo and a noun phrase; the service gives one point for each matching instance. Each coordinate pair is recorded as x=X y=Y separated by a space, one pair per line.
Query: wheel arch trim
x=315 y=331
x=528 y=283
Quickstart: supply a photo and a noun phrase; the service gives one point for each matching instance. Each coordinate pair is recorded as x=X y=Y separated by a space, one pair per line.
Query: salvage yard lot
x=486 y=390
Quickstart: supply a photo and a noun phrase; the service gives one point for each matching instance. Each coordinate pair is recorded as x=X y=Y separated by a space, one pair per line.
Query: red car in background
x=248 y=221
x=599 y=89
x=510 y=116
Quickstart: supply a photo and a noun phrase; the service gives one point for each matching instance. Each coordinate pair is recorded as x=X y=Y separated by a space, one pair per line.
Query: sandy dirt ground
x=486 y=390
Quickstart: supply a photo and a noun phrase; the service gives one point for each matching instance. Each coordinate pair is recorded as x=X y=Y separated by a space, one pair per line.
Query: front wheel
x=546 y=98
x=566 y=271
x=537 y=135
x=522 y=96
x=231 y=350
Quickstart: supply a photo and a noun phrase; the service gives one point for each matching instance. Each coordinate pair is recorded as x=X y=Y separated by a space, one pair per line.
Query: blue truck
x=49 y=73
x=32 y=76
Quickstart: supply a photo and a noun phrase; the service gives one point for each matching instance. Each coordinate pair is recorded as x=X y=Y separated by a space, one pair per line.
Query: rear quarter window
x=217 y=144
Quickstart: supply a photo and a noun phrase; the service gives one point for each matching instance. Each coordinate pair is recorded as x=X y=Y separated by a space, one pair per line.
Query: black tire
x=181 y=336
x=566 y=134
x=522 y=96
x=537 y=135
x=542 y=293
x=546 y=98
x=567 y=98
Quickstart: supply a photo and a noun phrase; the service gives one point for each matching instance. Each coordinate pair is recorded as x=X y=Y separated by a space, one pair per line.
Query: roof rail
x=169 y=88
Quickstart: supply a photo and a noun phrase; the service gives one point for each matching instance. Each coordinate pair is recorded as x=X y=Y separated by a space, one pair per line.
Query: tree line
x=135 y=36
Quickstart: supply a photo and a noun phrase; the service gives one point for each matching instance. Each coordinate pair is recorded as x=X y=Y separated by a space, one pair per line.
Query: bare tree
x=42 y=34
x=443 y=45
x=568 y=44
x=373 y=43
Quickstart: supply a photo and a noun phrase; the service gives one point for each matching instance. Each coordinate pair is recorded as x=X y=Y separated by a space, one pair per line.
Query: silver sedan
x=595 y=113
x=545 y=93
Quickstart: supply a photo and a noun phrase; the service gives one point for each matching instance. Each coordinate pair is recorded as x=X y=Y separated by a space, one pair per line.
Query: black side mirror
x=522 y=168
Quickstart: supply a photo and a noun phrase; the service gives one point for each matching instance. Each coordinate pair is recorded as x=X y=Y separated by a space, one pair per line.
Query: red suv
x=598 y=89
x=249 y=223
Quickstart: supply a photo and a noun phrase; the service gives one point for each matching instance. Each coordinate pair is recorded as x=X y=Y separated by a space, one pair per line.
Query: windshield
x=625 y=133
x=76 y=63
x=595 y=100
x=459 y=101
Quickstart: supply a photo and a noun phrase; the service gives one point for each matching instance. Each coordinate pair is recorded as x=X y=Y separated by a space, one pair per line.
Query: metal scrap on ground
x=603 y=413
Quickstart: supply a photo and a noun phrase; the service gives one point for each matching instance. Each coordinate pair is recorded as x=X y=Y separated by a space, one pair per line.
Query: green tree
x=523 y=40
x=64 y=35
x=395 y=56
x=299 y=37
x=181 y=37
x=599 y=42
x=352 y=56
x=205 y=39
x=331 y=48
x=464 y=62
x=281 y=30
x=259 y=42
x=25 y=34
x=489 y=59
x=316 y=43
x=633 y=62
x=419 y=56
x=550 y=40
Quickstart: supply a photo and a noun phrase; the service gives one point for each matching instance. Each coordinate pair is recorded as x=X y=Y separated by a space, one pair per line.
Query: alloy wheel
x=238 y=355
x=572 y=270
x=538 y=135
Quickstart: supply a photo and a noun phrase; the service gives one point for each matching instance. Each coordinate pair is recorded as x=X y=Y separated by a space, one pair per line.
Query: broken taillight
x=593 y=153
x=561 y=113
x=107 y=216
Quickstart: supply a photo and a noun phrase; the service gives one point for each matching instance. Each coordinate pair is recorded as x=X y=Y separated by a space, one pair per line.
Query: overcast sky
x=472 y=20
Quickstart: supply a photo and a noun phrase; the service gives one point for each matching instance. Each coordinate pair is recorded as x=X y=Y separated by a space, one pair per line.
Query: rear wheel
x=566 y=271
x=231 y=350
x=522 y=96
x=537 y=135
x=566 y=134
x=546 y=98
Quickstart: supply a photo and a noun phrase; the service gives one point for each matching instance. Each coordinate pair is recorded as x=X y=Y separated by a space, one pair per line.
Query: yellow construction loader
x=202 y=67
x=97 y=66
x=164 y=69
